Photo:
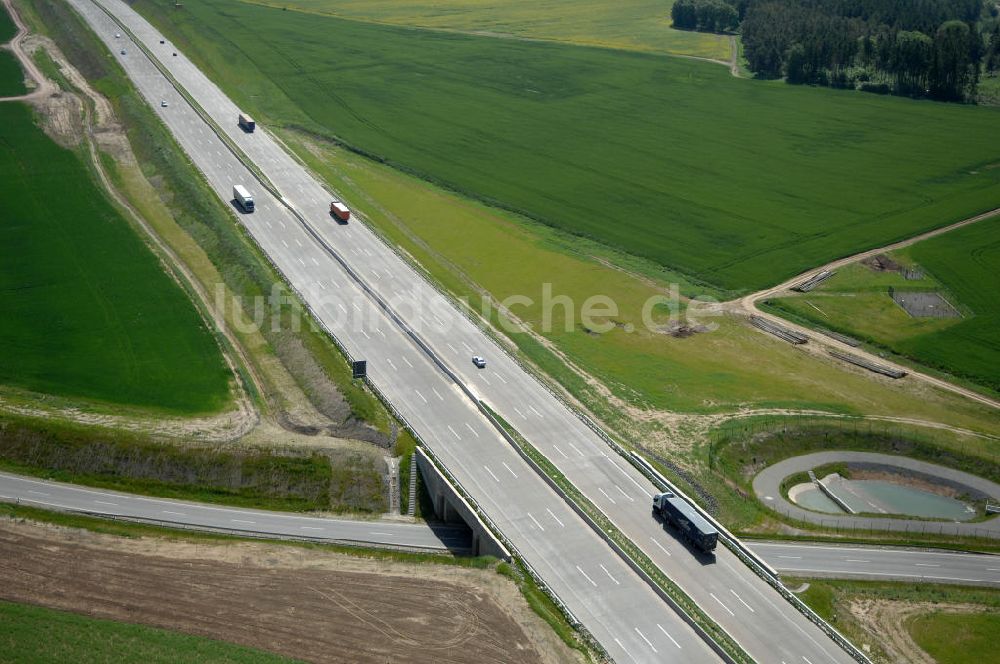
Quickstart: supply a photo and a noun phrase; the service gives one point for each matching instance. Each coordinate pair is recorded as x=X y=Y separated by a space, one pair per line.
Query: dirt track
x=307 y=604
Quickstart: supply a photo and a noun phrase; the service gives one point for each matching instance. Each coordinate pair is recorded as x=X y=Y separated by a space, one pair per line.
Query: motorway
x=326 y=263
x=807 y=560
x=622 y=612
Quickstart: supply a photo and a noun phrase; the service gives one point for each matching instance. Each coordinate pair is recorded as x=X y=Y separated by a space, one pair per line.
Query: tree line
x=935 y=48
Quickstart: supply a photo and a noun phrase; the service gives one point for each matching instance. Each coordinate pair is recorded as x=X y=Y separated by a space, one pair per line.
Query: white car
x=479 y=361
x=118 y=35
x=163 y=103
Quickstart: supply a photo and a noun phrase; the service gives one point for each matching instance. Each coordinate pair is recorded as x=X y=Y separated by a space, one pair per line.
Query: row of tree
x=937 y=48
x=705 y=15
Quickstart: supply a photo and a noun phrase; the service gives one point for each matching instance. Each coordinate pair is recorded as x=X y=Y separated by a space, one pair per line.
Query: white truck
x=243 y=197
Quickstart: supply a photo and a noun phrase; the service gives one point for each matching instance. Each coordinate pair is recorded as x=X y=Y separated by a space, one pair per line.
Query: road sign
x=359 y=368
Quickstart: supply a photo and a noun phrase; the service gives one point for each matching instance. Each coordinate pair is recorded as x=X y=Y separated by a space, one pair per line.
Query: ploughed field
x=87 y=309
x=306 y=604
x=738 y=183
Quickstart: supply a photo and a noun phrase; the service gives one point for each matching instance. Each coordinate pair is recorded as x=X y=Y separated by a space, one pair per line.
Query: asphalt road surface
x=872 y=563
x=102 y=502
x=881 y=563
x=324 y=261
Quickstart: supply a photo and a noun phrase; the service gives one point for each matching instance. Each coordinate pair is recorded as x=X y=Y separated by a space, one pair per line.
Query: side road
x=43 y=87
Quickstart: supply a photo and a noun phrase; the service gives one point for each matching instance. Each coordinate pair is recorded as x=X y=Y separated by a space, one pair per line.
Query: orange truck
x=339 y=210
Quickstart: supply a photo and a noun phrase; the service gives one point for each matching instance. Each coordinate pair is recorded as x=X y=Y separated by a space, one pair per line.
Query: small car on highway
x=479 y=361
x=163 y=103
x=123 y=51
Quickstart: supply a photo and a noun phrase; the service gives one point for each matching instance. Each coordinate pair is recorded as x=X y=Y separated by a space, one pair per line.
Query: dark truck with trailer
x=692 y=525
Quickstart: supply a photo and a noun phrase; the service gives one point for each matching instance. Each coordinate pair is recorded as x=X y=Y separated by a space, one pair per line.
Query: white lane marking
x=366 y=334
x=502 y=379
x=301 y=261
x=104 y=502
x=474 y=432
x=536 y=412
x=653 y=648
x=242 y=521
x=454 y=432
x=484 y=379
x=624 y=494
x=523 y=416
x=407 y=362
x=174 y=513
x=791 y=557
x=309 y=528
x=607 y=496
x=625 y=649
x=467 y=346
x=320 y=284
x=491 y=474
x=368 y=252
x=925 y=565
x=660 y=545
x=556 y=447
x=389 y=360
x=453 y=349
x=37 y=493
x=712 y=595
x=561 y=524
x=575 y=449
x=355 y=305
x=315 y=262
x=993 y=569
x=372 y=532
x=379 y=330
x=666 y=634
x=855 y=560
x=342 y=307
x=377 y=275
x=420 y=395
x=439 y=321
x=609 y=575
x=891 y=575
x=436 y=394
x=298 y=242
x=509 y=470
x=741 y=600
x=284 y=243
x=629 y=477
x=268 y=223
x=588 y=579
x=535 y=521
x=806 y=659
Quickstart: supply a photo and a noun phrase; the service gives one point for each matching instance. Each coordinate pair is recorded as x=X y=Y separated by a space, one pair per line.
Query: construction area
x=921 y=304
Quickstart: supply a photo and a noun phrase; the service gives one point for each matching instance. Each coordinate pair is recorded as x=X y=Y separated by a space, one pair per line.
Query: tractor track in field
x=747 y=306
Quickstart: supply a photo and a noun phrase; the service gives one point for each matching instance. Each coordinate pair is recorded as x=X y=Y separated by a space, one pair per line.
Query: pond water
x=879 y=497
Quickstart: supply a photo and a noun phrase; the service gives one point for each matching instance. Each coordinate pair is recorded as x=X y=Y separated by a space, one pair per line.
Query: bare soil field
x=308 y=604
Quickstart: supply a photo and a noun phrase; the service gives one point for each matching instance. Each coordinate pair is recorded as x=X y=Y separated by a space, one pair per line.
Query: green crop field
x=734 y=182
x=7 y=27
x=638 y=25
x=11 y=76
x=962 y=265
x=87 y=308
x=32 y=634
x=957 y=638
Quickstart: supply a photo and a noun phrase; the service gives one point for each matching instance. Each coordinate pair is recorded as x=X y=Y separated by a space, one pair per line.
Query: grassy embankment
x=962 y=265
x=338 y=480
x=33 y=634
x=949 y=638
x=633 y=25
x=734 y=182
x=184 y=212
x=738 y=451
x=89 y=311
